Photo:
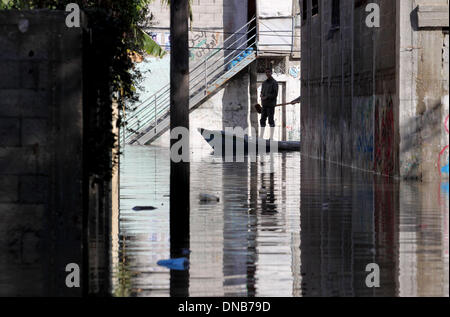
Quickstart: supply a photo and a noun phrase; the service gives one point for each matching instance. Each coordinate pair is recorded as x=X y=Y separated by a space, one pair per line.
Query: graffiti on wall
x=444 y=168
x=362 y=127
x=202 y=43
x=384 y=136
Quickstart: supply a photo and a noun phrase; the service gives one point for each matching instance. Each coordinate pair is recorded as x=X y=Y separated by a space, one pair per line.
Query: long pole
x=179 y=118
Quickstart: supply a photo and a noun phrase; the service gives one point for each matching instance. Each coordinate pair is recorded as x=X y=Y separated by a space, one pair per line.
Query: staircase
x=152 y=117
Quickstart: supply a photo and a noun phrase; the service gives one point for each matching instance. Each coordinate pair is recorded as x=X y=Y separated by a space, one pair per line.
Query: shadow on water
x=284 y=225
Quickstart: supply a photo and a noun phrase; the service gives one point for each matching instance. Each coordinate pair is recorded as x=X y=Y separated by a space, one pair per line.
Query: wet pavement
x=285 y=225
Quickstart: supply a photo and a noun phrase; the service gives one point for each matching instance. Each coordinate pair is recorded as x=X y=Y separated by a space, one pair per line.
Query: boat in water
x=223 y=142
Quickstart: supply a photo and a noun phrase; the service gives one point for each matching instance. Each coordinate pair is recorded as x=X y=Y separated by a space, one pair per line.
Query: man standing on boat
x=269 y=94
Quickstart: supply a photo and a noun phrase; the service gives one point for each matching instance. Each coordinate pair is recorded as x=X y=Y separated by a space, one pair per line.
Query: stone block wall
x=41 y=134
x=375 y=98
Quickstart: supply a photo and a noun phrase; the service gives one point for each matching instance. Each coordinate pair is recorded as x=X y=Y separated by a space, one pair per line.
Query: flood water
x=284 y=226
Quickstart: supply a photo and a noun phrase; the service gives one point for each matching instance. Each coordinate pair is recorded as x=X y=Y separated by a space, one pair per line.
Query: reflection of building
x=215 y=25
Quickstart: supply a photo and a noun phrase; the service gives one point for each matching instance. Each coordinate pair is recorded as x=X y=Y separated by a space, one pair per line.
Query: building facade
x=375 y=85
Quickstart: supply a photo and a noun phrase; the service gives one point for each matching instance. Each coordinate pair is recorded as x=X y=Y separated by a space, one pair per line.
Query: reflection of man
x=269 y=93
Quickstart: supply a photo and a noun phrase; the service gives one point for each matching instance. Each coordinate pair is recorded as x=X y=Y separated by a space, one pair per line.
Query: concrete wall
x=41 y=134
x=359 y=85
x=422 y=66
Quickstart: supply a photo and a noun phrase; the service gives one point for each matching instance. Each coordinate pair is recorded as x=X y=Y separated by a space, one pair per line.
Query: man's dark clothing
x=267 y=112
x=270 y=91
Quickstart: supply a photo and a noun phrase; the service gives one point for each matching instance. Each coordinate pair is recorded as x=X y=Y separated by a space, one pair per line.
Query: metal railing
x=205 y=76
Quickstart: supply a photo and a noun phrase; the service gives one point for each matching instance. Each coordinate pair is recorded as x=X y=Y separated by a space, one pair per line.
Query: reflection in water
x=284 y=226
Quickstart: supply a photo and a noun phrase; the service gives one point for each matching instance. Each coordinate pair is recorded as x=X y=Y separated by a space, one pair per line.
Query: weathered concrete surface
x=422 y=67
x=40 y=153
x=374 y=98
